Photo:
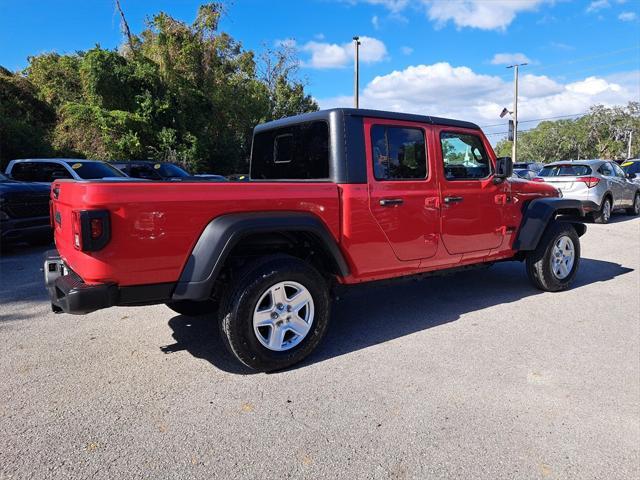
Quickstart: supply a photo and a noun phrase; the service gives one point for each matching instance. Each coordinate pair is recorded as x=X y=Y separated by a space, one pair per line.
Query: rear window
x=296 y=152
x=94 y=170
x=565 y=171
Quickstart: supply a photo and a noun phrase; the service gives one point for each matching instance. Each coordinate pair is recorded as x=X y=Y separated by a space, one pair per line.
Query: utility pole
x=514 y=149
x=629 y=144
x=356 y=72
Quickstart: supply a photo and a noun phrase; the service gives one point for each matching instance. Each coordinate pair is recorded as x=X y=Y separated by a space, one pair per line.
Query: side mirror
x=504 y=168
x=631 y=176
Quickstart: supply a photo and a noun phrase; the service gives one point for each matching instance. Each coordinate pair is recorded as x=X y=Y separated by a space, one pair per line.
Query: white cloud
x=598 y=5
x=481 y=14
x=333 y=55
x=406 y=50
x=394 y=6
x=495 y=15
x=444 y=90
x=509 y=58
x=627 y=16
x=375 y=21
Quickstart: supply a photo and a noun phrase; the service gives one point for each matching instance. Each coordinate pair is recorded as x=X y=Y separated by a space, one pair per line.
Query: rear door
x=627 y=187
x=472 y=204
x=403 y=189
x=614 y=183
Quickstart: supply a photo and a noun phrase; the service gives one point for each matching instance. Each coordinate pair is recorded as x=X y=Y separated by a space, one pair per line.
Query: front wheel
x=275 y=312
x=553 y=265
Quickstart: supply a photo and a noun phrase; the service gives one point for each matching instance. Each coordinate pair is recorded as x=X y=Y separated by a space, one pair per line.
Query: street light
x=514 y=149
x=356 y=71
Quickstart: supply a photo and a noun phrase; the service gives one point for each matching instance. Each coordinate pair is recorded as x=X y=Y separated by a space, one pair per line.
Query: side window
x=53 y=171
x=618 y=171
x=23 y=171
x=294 y=152
x=399 y=153
x=606 y=170
x=464 y=156
x=144 y=171
x=634 y=168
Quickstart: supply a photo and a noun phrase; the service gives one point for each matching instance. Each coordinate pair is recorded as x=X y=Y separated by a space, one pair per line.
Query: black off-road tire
x=191 y=308
x=239 y=302
x=538 y=261
x=635 y=208
x=600 y=216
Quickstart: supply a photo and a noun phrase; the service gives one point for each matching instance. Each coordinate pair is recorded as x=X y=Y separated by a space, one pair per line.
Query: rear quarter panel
x=154 y=226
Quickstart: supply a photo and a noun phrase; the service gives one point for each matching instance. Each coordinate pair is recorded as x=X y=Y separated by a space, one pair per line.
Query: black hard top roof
x=360 y=112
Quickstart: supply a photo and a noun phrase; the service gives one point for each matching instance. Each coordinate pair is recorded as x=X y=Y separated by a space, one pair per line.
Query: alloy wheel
x=283 y=316
x=563 y=256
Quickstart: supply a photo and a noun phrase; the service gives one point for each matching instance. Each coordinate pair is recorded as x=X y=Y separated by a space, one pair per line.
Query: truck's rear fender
x=223 y=234
x=539 y=212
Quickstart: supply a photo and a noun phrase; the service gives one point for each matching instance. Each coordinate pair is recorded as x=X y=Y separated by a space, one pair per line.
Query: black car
x=150 y=170
x=24 y=212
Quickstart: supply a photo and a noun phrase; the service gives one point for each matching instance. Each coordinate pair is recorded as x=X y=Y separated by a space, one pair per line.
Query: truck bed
x=154 y=225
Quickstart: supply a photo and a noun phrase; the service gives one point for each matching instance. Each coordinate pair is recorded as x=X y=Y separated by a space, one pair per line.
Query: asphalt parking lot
x=476 y=375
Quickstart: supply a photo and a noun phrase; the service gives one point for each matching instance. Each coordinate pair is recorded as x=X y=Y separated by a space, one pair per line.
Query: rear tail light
x=537 y=179
x=589 y=181
x=91 y=229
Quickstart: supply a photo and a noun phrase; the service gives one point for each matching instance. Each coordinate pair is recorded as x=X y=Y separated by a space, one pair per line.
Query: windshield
x=631 y=167
x=565 y=171
x=167 y=170
x=94 y=170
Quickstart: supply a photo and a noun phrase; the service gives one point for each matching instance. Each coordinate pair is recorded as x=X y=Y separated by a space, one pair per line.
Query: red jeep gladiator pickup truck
x=336 y=197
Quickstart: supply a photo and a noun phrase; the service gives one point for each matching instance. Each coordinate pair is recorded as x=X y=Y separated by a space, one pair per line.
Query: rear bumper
x=590 y=206
x=70 y=294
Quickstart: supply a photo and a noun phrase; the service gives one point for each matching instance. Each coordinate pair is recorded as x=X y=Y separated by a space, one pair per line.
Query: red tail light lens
x=96 y=228
x=590 y=181
x=76 y=229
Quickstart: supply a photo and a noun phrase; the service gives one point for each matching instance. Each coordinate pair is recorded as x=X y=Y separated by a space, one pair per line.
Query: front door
x=471 y=202
x=403 y=191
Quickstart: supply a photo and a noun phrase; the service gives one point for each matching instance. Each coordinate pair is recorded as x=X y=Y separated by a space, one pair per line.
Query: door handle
x=389 y=202
x=449 y=200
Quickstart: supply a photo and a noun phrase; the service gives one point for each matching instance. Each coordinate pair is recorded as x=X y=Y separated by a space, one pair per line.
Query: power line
x=584 y=59
x=536 y=119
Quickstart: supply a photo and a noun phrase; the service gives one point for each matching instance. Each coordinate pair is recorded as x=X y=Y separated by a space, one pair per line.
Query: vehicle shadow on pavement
x=370 y=315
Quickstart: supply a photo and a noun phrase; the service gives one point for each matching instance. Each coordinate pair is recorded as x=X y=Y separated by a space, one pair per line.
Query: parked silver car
x=601 y=185
x=50 y=169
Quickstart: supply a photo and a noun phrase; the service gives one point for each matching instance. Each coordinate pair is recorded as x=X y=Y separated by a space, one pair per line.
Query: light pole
x=356 y=72
x=514 y=149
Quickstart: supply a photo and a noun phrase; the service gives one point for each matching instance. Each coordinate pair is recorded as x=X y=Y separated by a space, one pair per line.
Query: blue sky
x=430 y=56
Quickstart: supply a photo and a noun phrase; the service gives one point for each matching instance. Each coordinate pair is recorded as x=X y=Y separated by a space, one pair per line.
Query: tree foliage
x=602 y=133
x=181 y=92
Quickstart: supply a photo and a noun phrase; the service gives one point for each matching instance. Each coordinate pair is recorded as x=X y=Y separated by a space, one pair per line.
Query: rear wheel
x=604 y=214
x=275 y=313
x=191 y=308
x=635 y=208
x=552 y=266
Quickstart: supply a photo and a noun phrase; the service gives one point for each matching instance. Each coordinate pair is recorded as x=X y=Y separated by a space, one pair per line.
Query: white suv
x=50 y=169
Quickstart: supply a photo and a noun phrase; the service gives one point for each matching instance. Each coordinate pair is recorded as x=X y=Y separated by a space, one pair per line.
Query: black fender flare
x=224 y=232
x=540 y=212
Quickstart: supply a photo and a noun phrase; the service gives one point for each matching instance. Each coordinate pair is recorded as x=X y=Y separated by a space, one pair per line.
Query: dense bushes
x=179 y=92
